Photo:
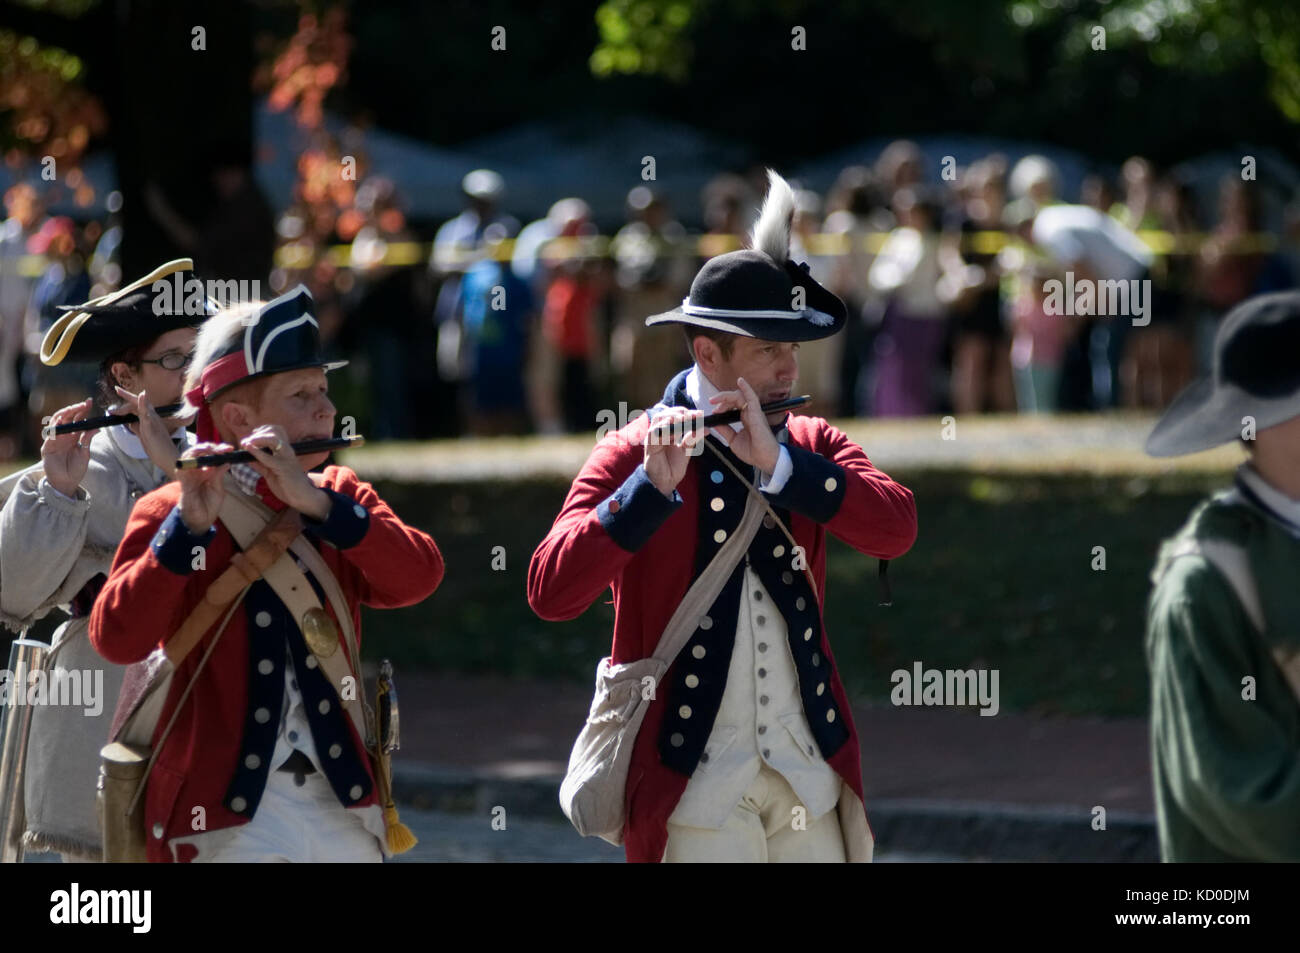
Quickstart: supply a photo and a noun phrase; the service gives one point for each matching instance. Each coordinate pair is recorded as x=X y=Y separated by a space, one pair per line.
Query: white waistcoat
x=761 y=719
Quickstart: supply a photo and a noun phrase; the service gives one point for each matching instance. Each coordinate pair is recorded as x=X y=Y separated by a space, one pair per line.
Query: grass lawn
x=1001 y=576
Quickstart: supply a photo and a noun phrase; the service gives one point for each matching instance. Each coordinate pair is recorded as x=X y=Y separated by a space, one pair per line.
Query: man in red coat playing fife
x=265 y=759
x=748 y=750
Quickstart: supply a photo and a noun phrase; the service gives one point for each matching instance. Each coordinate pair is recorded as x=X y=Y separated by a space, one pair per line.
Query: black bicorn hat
x=759 y=292
x=1255 y=374
x=135 y=314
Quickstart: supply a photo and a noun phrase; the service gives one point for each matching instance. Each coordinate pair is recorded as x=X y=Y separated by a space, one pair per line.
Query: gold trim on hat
x=58 y=339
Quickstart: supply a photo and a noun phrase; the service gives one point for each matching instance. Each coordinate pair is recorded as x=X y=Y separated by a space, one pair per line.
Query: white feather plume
x=771 y=234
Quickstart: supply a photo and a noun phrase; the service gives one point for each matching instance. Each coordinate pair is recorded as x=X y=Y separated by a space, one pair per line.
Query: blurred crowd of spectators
x=508 y=329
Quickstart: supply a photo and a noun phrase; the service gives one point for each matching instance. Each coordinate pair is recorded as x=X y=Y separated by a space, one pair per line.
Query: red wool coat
x=616 y=530
x=378 y=560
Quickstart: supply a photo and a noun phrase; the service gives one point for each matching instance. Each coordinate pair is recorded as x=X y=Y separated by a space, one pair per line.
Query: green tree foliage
x=1210 y=37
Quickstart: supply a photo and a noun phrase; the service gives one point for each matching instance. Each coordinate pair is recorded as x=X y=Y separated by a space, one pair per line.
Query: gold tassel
x=400 y=838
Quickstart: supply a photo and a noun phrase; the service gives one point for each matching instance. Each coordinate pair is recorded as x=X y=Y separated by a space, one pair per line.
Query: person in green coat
x=1223 y=619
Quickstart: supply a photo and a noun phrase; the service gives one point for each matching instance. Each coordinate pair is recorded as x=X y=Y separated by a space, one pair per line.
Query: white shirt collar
x=130 y=444
x=1273 y=498
x=699 y=389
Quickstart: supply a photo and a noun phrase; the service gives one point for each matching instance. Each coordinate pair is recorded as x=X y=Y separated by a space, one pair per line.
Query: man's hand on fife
x=277 y=462
x=756 y=444
x=202 y=490
x=668 y=445
x=154 y=435
x=66 y=458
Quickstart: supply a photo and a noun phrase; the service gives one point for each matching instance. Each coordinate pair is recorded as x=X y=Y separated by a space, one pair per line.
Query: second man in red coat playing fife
x=747 y=751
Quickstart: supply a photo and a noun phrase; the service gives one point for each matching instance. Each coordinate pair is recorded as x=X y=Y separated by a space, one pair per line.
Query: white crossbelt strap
x=245 y=516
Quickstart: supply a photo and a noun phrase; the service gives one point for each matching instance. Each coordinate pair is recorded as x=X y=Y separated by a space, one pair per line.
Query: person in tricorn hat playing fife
x=63 y=518
x=1221 y=637
x=748 y=750
x=267 y=756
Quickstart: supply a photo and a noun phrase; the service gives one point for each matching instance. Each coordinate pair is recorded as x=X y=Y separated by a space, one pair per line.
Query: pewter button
x=692 y=681
x=800 y=603
x=787 y=577
x=706 y=623
x=698 y=651
x=263 y=619
x=238 y=804
x=762 y=646
x=720 y=535
x=355 y=793
x=676 y=739
x=324 y=706
x=817 y=659
x=761 y=619
x=252 y=762
x=684 y=711
x=762 y=729
x=266 y=666
x=262 y=716
x=762 y=673
x=335 y=750
x=762 y=700
x=157 y=828
x=311 y=661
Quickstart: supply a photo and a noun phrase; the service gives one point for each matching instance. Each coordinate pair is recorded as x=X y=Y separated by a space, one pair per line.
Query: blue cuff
x=815 y=488
x=780 y=475
x=173 y=545
x=636 y=510
x=345 y=525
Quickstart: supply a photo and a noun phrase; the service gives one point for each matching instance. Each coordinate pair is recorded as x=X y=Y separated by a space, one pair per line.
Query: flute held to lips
x=243 y=456
x=108 y=420
x=733 y=416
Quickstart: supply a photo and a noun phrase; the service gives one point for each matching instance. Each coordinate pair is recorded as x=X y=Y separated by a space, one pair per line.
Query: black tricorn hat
x=134 y=314
x=1255 y=374
x=759 y=292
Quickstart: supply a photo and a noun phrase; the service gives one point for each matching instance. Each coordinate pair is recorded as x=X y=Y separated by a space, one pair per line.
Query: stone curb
x=971 y=830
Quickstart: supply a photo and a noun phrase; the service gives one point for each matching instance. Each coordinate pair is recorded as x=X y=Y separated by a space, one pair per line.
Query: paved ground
x=446 y=837
x=939 y=783
x=524 y=729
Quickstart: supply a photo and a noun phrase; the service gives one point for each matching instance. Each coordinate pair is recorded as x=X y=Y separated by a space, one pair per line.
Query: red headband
x=217 y=376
